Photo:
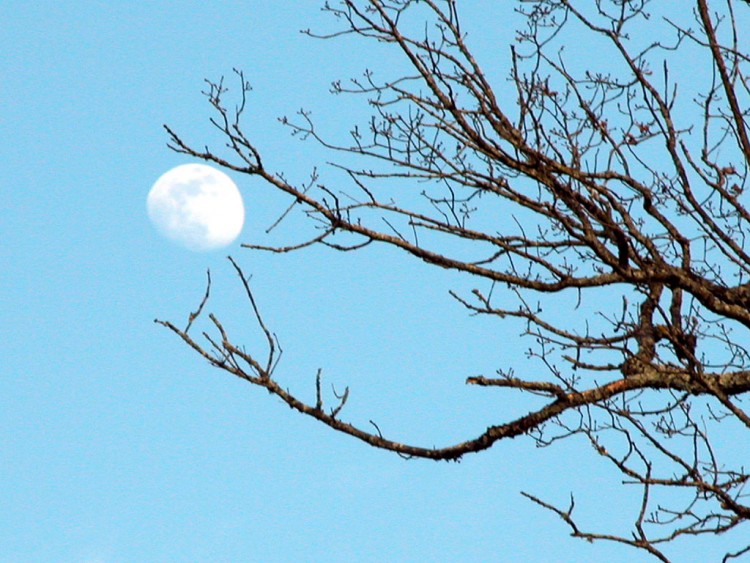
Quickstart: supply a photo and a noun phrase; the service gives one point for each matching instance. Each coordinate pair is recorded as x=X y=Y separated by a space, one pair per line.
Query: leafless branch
x=612 y=189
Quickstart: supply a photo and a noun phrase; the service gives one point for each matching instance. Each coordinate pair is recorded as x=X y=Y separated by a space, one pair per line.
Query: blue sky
x=116 y=442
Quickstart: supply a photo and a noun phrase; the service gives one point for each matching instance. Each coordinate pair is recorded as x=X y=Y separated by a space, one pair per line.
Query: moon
x=196 y=206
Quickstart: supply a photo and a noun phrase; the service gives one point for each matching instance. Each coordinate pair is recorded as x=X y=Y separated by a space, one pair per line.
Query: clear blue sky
x=119 y=444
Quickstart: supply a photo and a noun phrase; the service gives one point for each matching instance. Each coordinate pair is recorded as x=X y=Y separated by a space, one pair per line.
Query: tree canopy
x=613 y=181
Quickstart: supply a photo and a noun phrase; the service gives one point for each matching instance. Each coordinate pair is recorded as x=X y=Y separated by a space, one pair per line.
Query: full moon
x=196 y=206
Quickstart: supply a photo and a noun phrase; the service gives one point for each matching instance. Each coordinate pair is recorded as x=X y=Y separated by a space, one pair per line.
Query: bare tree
x=620 y=175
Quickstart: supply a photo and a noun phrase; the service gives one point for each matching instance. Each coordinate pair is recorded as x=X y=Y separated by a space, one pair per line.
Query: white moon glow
x=196 y=206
